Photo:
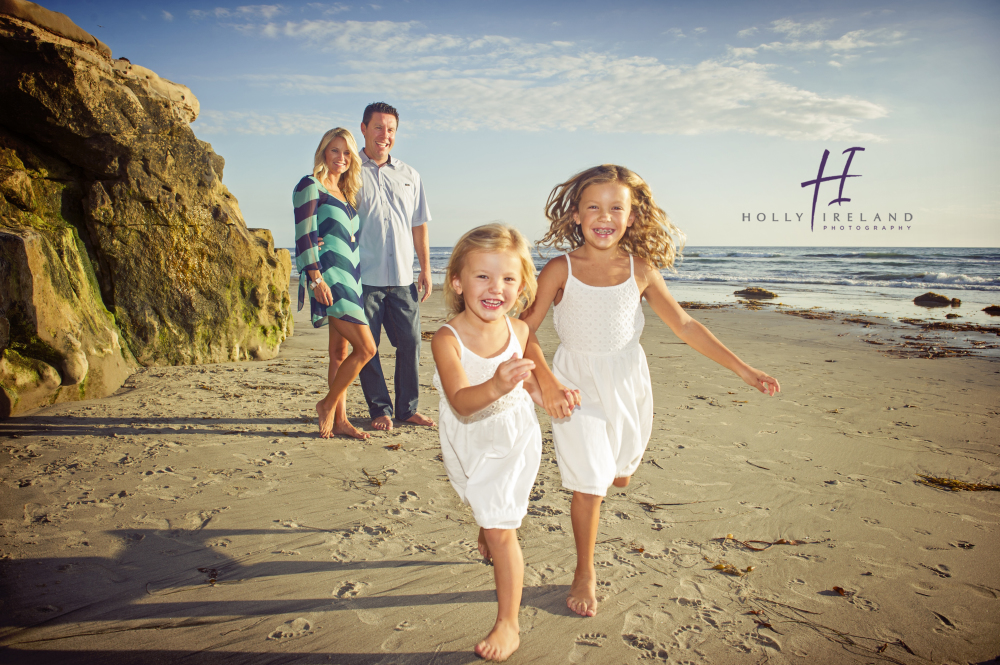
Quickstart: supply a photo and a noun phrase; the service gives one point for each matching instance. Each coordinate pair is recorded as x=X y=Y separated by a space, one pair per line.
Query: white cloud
x=676 y=33
x=795 y=30
x=700 y=31
x=834 y=63
x=327 y=10
x=748 y=32
x=501 y=83
x=857 y=40
x=266 y=12
x=263 y=124
x=167 y=16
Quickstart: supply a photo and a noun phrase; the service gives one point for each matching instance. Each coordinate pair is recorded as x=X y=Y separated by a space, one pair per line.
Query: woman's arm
x=697 y=336
x=557 y=400
x=466 y=399
x=305 y=200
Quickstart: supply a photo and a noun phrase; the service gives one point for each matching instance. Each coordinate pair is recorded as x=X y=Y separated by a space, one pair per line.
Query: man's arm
x=422 y=246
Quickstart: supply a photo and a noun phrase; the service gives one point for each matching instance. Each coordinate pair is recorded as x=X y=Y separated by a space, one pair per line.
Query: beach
x=196 y=516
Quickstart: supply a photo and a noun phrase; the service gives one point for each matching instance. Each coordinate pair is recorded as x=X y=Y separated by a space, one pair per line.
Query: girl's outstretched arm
x=466 y=399
x=557 y=400
x=694 y=334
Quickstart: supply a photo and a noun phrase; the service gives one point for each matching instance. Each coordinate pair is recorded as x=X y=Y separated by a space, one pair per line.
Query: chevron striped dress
x=321 y=216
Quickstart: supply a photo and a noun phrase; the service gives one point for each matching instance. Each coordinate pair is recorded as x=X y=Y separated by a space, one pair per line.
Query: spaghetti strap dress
x=492 y=456
x=599 y=355
x=321 y=215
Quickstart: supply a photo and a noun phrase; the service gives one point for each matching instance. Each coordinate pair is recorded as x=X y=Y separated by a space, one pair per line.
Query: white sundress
x=599 y=355
x=492 y=456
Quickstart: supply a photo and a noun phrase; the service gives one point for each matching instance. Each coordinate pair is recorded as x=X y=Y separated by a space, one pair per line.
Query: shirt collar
x=365 y=159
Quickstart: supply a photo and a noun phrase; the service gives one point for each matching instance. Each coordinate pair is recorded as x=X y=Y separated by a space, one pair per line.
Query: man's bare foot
x=325 y=418
x=420 y=419
x=502 y=641
x=383 y=423
x=484 y=549
x=622 y=482
x=347 y=429
x=582 y=597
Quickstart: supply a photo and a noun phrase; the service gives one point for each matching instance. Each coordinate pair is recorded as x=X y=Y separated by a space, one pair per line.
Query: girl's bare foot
x=621 y=482
x=582 y=597
x=484 y=549
x=325 y=418
x=502 y=641
x=420 y=419
x=383 y=423
x=347 y=429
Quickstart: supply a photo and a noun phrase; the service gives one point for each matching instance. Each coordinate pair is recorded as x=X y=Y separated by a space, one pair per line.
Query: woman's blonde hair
x=652 y=235
x=491 y=238
x=350 y=180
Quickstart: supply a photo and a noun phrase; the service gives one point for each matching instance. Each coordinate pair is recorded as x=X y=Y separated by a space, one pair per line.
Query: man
x=394 y=218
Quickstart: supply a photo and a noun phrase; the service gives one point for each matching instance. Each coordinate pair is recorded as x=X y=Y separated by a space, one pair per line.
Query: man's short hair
x=379 y=107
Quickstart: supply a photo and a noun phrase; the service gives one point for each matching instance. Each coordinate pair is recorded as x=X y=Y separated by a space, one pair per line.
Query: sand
x=195 y=516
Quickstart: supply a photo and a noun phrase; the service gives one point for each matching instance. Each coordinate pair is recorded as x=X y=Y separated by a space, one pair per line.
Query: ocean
x=880 y=281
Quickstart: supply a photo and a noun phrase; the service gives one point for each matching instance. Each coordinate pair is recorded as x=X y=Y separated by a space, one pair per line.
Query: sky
x=724 y=108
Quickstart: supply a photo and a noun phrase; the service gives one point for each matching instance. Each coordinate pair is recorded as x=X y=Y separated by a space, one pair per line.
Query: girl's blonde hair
x=491 y=238
x=652 y=235
x=350 y=180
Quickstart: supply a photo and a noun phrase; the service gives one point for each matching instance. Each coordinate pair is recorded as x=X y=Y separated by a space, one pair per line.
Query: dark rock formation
x=119 y=243
x=992 y=310
x=931 y=299
x=755 y=293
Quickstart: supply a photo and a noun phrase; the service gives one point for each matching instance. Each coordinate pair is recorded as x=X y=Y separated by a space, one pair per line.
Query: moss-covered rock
x=115 y=227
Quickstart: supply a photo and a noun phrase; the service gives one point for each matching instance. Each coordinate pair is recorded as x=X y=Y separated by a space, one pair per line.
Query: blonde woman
x=327 y=256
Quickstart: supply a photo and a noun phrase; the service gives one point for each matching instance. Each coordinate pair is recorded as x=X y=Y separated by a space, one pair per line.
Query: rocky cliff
x=119 y=244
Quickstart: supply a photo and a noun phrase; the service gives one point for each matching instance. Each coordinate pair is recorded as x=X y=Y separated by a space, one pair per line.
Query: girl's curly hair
x=491 y=238
x=652 y=235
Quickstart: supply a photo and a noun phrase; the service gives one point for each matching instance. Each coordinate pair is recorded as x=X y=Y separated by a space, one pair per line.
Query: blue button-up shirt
x=391 y=202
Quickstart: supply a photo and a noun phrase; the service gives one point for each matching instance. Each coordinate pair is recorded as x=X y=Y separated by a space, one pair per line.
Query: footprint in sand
x=289 y=629
x=409 y=495
x=650 y=649
x=348 y=590
x=940 y=570
x=688 y=637
x=591 y=639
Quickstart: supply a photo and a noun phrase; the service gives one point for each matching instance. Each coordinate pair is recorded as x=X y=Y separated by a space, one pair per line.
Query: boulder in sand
x=931 y=299
x=120 y=244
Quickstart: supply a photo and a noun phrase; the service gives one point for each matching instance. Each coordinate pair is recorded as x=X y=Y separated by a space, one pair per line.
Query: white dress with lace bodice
x=492 y=456
x=599 y=355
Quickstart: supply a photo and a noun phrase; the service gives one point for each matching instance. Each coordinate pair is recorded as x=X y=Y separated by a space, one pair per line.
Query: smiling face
x=337 y=157
x=489 y=283
x=380 y=135
x=603 y=214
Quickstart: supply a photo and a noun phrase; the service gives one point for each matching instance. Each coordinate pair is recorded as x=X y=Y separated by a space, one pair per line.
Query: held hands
x=510 y=373
x=760 y=380
x=558 y=400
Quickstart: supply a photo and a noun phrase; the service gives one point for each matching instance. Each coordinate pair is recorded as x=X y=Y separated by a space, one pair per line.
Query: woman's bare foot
x=484 y=549
x=347 y=429
x=420 y=419
x=382 y=423
x=621 y=482
x=582 y=597
x=325 y=418
x=502 y=641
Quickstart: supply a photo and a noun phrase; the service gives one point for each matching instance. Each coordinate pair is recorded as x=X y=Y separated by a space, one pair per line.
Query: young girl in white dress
x=490 y=439
x=620 y=239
